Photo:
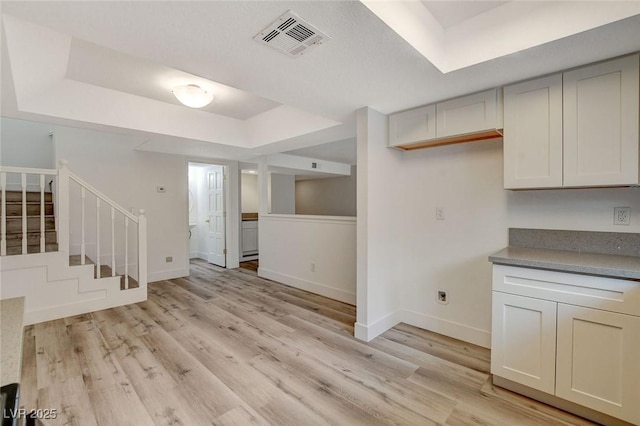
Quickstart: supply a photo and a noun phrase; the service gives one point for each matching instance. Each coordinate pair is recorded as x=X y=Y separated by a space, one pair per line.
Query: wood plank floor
x=228 y=348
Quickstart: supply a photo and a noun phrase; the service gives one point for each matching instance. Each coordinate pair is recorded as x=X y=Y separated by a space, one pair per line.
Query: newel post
x=62 y=206
x=142 y=250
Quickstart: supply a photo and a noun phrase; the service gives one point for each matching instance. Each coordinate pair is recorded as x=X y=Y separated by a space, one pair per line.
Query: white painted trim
x=248 y=258
x=427 y=322
x=123 y=297
x=370 y=332
x=168 y=274
x=311 y=286
x=346 y=220
x=448 y=328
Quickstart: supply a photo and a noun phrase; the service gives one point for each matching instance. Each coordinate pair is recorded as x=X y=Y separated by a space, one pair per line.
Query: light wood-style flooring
x=227 y=348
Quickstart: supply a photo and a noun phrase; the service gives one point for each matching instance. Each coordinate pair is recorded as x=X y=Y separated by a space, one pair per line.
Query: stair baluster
x=24 y=212
x=42 y=237
x=113 y=242
x=97 y=237
x=83 y=247
x=3 y=241
x=126 y=253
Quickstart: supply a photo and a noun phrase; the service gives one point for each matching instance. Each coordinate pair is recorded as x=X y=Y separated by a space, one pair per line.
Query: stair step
x=31 y=196
x=33 y=209
x=33 y=248
x=105 y=271
x=33 y=238
x=14 y=224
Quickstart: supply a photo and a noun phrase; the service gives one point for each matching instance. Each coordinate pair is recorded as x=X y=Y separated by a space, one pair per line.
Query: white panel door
x=216 y=240
x=601 y=116
x=523 y=340
x=598 y=362
x=412 y=126
x=469 y=114
x=533 y=134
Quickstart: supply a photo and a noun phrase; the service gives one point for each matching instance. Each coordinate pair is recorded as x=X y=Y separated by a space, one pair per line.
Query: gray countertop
x=11 y=322
x=570 y=261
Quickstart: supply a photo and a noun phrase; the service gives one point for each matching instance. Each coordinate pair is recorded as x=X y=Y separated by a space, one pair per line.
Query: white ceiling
x=344 y=151
x=109 y=65
x=450 y=13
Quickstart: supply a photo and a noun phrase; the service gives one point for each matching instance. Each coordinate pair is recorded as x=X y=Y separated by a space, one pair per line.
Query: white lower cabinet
x=249 y=237
x=524 y=340
x=542 y=339
x=598 y=361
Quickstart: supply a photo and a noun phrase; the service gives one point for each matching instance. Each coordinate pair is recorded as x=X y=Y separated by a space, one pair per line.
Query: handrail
x=28 y=170
x=103 y=197
x=63 y=203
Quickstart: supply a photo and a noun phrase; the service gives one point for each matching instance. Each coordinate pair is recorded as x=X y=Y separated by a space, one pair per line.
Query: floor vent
x=292 y=35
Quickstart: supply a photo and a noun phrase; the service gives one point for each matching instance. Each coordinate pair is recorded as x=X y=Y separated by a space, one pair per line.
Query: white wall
x=289 y=245
x=330 y=196
x=110 y=163
x=379 y=204
x=26 y=144
x=428 y=254
x=283 y=194
x=249 y=190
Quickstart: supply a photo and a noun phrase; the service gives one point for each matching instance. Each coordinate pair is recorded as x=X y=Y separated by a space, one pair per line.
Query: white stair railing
x=22 y=177
x=20 y=182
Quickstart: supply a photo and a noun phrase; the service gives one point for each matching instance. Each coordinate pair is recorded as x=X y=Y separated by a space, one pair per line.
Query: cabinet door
x=533 y=134
x=249 y=237
x=523 y=340
x=469 y=114
x=412 y=126
x=598 y=363
x=601 y=118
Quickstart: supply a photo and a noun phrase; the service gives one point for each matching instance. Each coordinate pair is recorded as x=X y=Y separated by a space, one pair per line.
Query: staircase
x=14 y=221
x=61 y=266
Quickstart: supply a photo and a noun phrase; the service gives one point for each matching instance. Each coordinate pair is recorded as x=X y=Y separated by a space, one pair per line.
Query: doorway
x=207 y=213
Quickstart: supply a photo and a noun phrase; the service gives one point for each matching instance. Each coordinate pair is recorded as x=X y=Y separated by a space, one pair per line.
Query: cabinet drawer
x=608 y=294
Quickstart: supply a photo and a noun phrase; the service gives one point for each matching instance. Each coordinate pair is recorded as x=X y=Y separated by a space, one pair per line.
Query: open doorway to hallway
x=207 y=213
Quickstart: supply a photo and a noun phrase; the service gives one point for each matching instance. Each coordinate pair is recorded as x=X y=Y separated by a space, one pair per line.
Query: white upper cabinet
x=533 y=134
x=469 y=114
x=576 y=129
x=601 y=124
x=412 y=126
x=473 y=117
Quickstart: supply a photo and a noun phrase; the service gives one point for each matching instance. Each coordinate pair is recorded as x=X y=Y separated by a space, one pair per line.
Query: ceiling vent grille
x=292 y=35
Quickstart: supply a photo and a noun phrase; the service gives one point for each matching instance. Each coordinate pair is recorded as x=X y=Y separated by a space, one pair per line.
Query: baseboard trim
x=84 y=306
x=370 y=332
x=560 y=403
x=448 y=328
x=168 y=275
x=314 y=287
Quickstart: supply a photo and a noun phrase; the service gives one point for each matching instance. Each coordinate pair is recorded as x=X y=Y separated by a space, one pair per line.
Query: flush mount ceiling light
x=192 y=95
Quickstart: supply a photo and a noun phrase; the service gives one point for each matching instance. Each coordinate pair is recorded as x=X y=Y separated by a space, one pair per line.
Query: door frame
x=232 y=206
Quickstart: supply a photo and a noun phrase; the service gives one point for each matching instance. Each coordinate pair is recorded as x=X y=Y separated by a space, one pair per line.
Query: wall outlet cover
x=622 y=216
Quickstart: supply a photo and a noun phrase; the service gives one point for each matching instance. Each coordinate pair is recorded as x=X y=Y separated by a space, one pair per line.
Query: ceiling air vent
x=291 y=34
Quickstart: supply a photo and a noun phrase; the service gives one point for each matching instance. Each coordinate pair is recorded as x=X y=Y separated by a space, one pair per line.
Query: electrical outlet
x=168 y=259
x=442 y=297
x=622 y=216
x=439 y=213
x=313 y=267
